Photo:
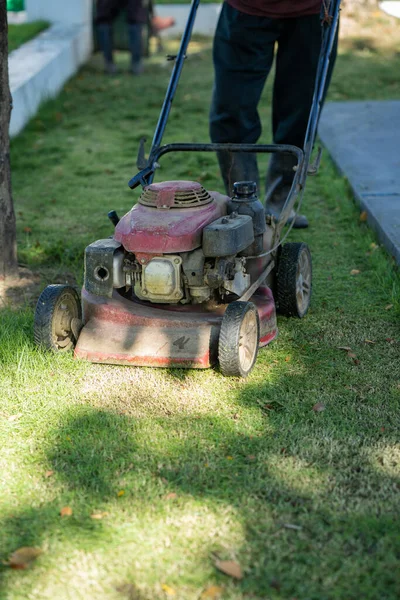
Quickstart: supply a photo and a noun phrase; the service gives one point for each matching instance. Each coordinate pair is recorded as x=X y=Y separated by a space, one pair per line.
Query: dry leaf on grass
x=168 y=590
x=171 y=496
x=319 y=407
x=230 y=567
x=355 y=272
x=212 y=593
x=98 y=515
x=347 y=348
x=351 y=355
x=23 y=557
x=363 y=216
x=369 y=342
x=66 y=511
x=49 y=473
x=121 y=493
x=389 y=306
x=14 y=417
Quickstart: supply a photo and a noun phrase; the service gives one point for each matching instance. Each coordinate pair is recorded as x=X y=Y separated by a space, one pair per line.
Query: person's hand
x=160 y=23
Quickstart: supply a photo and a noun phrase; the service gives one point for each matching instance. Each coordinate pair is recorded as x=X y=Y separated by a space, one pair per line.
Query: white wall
x=39 y=68
x=391 y=7
x=205 y=23
x=60 y=11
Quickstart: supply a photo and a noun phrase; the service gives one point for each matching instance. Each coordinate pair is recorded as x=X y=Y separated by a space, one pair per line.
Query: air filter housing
x=175 y=194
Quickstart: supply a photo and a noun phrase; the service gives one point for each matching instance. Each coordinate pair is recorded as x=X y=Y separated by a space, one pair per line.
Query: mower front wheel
x=294 y=280
x=238 y=339
x=58 y=318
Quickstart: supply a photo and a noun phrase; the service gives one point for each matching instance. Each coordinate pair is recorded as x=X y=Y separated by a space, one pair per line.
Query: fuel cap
x=244 y=189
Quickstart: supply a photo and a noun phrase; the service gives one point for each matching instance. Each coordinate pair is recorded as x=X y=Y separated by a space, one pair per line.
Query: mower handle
x=145 y=176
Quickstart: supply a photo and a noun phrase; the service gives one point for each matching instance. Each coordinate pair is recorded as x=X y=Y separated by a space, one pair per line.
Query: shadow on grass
x=318 y=517
x=313 y=471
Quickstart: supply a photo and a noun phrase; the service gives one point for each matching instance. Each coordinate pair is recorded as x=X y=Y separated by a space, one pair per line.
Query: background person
x=136 y=14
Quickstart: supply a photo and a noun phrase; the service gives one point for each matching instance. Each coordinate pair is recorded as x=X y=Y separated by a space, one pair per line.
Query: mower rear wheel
x=294 y=280
x=238 y=339
x=58 y=318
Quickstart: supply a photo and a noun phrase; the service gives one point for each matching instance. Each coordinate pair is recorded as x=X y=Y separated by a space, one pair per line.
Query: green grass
x=244 y=458
x=20 y=34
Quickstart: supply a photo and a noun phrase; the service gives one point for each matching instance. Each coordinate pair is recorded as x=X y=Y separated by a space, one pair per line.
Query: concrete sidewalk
x=363 y=139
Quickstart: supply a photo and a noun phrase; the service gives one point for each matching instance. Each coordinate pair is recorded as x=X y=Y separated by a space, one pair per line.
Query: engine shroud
x=170 y=218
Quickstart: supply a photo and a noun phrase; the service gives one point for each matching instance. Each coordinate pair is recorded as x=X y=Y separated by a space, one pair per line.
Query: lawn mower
x=190 y=277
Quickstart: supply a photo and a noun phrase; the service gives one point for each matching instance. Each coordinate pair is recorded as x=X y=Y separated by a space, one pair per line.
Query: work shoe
x=279 y=181
x=274 y=204
x=137 y=68
x=110 y=68
x=300 y=221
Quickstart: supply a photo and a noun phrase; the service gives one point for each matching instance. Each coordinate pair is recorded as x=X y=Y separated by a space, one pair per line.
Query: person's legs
x=136 y=17
x=106 y=11
x=296 y=66
x=243 y=55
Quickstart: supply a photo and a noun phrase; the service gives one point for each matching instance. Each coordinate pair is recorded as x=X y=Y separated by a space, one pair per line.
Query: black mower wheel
x=58 y=318
x=294 y=280
x=238 y=339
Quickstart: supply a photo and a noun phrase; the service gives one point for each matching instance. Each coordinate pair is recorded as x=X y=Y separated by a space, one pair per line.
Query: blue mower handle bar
x=329 y=21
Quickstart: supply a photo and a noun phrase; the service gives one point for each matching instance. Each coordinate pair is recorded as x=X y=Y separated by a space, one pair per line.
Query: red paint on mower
x=122 y=331
x=156 y=229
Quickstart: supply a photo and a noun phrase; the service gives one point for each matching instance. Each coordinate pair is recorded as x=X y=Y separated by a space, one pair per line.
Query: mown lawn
x=20 y=34
x=184 y=467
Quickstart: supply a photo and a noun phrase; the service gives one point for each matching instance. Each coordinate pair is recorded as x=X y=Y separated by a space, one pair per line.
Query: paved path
x=363 y=139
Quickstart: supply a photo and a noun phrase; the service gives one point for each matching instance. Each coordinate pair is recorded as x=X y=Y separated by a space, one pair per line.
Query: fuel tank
x=170 y=218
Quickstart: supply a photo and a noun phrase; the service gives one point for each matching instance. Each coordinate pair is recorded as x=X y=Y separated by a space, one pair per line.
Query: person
x=243 y=54
x=136 y=13
x=139 y=14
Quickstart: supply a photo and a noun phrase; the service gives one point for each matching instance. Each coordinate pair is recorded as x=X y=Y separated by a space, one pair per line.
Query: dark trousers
x=108 y=10
x=243 y=55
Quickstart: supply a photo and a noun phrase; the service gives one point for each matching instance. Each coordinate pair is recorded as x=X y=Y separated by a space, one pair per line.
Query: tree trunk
x=8 y=245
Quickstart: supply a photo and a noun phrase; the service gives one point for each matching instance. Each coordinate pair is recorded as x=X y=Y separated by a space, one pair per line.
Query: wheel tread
x=42 y=330
x=229 y=338
x=286 y=278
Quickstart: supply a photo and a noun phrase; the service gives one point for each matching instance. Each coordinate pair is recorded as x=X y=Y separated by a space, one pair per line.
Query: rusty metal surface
x=122 y=331
x=160 y=230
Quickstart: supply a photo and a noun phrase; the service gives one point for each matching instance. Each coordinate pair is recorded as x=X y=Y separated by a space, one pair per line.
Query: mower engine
x=182 y=245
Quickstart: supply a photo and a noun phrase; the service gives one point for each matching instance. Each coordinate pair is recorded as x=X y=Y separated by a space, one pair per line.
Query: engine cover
x=170 y=218
x=161 y=280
